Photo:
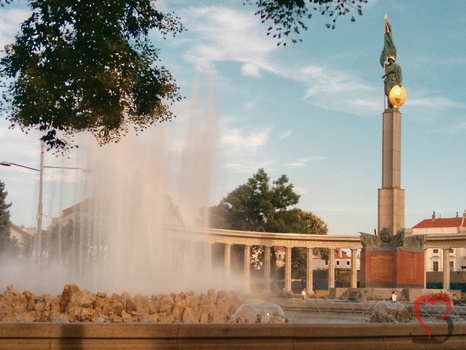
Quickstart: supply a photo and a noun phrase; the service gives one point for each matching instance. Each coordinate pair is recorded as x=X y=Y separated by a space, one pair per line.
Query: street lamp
x=41 y=187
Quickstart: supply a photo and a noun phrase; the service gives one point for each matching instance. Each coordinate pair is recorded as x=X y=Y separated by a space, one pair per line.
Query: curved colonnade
x=247 y=239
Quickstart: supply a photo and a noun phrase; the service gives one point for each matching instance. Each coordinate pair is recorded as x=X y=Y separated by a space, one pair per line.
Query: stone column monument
x=389 y=258
x=391 y=203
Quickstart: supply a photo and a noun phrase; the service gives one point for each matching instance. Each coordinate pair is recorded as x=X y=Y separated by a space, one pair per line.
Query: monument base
x=392 y=267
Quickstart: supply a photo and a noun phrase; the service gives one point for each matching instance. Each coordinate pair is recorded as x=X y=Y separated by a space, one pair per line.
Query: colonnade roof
x=444 y=241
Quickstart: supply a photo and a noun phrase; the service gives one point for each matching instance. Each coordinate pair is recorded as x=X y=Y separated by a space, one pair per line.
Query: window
x=338 y=262
x=451 y=251
x=435 y=251
x=452 y=266
x=348 y=263
x=435 y=266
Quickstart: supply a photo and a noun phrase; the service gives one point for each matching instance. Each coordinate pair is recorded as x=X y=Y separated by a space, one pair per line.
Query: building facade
x=435 y=258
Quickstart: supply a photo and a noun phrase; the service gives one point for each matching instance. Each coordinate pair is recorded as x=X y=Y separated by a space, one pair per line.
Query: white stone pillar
x=331 y=268
x=208 y=255
x=247 y=268
x=267 y=269
x=446 y=269
x=426 y=261
x=287 y=268
x=227 y=257
x=354 y=268
x=309 y=270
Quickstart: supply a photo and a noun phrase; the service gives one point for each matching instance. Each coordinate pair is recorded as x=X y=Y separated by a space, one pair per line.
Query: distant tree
x=88 y=66
x=257 y=206
x=4 y=220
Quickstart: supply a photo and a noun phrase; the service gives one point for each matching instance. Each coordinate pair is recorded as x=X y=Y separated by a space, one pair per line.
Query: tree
x=4 y=220
x=257 y=206
x=88 y=66
x=288 y=17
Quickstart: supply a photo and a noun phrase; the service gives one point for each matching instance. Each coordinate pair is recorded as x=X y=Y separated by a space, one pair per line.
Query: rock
x=12 y=303
x=153 y=318
x=126 y=317
x=142 y=305
x=128 y=303
x=100 y=300
x=166 y=305
x=205 y=318
x=76 y=305
x=190 y=316
x=68 y=291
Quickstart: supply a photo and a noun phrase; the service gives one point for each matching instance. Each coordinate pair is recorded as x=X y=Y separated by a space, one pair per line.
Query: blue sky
x=311 y=110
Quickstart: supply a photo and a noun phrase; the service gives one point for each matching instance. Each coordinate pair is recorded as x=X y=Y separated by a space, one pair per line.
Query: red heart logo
x=432 y=300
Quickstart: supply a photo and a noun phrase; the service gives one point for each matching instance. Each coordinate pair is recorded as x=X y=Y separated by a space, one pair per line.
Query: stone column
x=446 y=269
x=247 y=268
x=426 y=261
x=309 y=270
x=331 y=268
x=354 y=268
x=208 y=253
x=227 y=257
x=391 y=204
x=267 y=269
x=287 y=268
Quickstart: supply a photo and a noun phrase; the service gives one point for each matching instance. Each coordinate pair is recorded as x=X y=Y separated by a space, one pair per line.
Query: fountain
x=121 y=232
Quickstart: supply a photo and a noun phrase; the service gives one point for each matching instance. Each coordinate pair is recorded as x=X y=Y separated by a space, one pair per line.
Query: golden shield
x=397 y=96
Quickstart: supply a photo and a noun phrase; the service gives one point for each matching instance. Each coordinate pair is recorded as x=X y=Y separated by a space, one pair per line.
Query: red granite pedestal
x=391 y=268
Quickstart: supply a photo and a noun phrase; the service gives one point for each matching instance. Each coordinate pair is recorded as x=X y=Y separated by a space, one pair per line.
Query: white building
x=438 y=226
x=23 y=237
x=342 y=260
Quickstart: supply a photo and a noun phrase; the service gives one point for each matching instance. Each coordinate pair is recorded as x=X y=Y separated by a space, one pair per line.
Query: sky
x=311 y=110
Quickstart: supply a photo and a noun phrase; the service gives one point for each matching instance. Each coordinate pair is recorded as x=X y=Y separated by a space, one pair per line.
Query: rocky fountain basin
x=76 y=305
x=78 y=319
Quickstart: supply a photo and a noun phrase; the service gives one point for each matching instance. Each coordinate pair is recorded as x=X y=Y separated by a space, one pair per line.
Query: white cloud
x=303 y=161
x=336 y=90
x=432 y=102
x=300 y=190
x=244 y=149
x=240 y=140
x=231 y=166
x=461 y=126
x=225 y=34
x=285 y=134
x=10 y=23
x=250 y=69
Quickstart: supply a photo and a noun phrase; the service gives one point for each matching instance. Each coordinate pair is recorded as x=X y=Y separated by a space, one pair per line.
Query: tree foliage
x=287 y=18
x=255 y=205
x=88 y=66
x=4 y=219
x=258 y=206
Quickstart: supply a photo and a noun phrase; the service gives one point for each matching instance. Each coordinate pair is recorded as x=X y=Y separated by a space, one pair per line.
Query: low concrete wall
x=380 y=294
x=80 y=336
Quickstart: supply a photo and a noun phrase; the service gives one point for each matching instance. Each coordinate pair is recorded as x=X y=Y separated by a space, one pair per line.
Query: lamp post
x=41 y=188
